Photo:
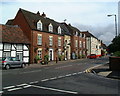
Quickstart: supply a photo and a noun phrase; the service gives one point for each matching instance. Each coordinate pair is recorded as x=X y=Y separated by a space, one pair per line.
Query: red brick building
x=78 y=42
x=46 y=35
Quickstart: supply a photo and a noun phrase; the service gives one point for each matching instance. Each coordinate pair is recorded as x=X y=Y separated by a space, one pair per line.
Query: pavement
x=103 y=70
x=35 y=65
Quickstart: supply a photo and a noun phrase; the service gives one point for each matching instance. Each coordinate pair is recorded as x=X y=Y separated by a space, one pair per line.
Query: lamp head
x=109 y=15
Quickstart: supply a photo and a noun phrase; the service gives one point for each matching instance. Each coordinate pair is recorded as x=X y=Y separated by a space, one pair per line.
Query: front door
x=19 y=56
x=51 y=54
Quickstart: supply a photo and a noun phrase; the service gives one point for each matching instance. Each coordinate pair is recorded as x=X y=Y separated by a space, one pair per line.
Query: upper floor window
x=50 y=40
x=7 y=46
x=50 y=28
x=39 y=39
x=19 y=47
x=76 y=43
x=80 y=44
x=80 y=34
x=59 y=41
x=39 y=25
x=83 y=35
x=84 y=44
x=59 y=30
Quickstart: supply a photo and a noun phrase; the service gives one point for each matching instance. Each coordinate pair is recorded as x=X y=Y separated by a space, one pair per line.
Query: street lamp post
x=115 y=22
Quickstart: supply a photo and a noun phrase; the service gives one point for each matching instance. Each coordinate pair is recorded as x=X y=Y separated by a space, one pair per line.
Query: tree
x=115 y=45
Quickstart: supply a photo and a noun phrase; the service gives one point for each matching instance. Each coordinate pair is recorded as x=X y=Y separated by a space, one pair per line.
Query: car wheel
x=7 y=67
x=23 y=65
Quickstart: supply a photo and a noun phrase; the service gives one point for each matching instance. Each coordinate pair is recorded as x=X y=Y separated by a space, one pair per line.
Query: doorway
x=50 y=54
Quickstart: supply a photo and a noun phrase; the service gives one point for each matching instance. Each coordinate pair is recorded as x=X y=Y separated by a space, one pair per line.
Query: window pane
x=19 y=47
x=39 y=40
x=50 y=41
x=7 y=46
x=40 y=53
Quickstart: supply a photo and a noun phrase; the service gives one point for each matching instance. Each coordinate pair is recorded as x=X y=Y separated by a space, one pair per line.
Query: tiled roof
x=12 y=34
x=9 y=22
x=33 y=18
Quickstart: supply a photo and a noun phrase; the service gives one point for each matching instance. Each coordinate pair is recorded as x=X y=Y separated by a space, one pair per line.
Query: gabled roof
x=33 y=18
x=9 y=22
x=12 y=34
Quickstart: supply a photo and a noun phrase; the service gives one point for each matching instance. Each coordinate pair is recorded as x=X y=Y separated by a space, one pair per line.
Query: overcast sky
x=88 y=15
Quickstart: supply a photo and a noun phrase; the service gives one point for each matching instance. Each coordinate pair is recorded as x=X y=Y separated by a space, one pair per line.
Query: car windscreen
x=13 y=59
x=92 y=54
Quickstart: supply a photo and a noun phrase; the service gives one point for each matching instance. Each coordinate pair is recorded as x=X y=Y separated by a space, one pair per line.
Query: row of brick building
x=48 y=37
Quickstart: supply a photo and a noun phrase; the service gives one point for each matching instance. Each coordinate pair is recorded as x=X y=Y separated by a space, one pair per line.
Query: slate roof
x=33 y=18
x=88 y=34
x=72 y=30
x=12 y=34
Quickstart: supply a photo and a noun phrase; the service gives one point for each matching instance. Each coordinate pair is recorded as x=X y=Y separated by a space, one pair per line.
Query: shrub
x=117 y=53
x=46 y=58
x=37 y=58
x=60 y=57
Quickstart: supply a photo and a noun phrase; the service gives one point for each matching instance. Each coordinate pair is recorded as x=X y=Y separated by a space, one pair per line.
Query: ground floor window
x=6 y=54
x=40 y=53
x=20 y=56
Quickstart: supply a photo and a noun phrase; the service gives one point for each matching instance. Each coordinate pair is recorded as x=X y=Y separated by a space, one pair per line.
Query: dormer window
x=50 y=28
x=76 y=34
x=59 y=30
x=39 y=25
x=80 y=34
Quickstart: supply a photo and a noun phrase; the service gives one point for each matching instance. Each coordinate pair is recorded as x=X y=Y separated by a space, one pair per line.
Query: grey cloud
x=106 y=33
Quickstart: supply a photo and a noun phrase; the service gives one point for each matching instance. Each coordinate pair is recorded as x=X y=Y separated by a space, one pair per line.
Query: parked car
x=8 y=62
x=92 y=56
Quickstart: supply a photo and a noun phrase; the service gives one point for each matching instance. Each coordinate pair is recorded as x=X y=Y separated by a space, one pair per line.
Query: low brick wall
x=114 y=63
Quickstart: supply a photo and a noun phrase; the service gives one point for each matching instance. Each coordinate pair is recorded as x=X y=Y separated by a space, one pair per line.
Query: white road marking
x=8 y=87
x=53 y=78
x=21 y=85
x=30 y=72
x=63 y=66
x=1 y=92
x=27 y=86
x=74 y=73
x=53 y=89
x=79 y=72
x=61 y=76
x=34 y=82
x=44 y=80
x=15 y=89
x=68 y=75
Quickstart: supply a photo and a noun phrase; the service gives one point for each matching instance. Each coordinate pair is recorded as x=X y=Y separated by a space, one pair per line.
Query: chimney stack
x=43 y=15
x=38 y=13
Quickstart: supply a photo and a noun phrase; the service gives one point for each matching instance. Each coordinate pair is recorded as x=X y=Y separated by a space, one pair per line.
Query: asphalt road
x=62 y=78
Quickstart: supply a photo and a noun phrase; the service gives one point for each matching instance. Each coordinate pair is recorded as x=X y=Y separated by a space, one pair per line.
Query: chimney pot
x=43 y=15
x=38 y=13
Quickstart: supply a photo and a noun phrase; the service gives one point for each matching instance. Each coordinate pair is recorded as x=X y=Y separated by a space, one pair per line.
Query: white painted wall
x=1 y=46
x=26 y=59
x=0 y=53
x=13 y=53
x=26 y=53
x=25 y=47
x=13 y=47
